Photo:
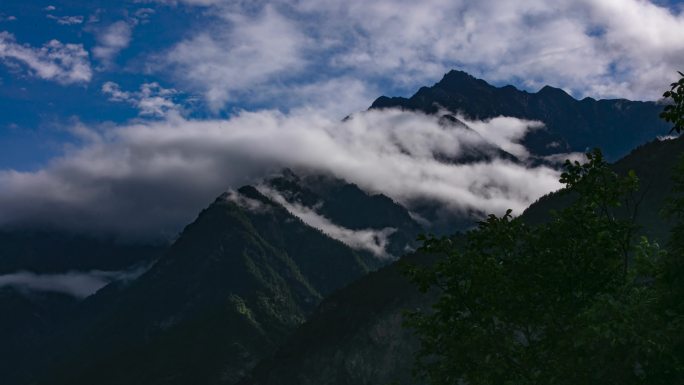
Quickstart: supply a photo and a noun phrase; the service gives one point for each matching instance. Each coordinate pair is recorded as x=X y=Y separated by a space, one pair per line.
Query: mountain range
x=294 y=279
x=357 y=338
x=616 y=126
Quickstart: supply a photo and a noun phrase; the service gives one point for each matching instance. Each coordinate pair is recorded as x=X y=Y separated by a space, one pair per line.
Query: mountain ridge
x=614 y=125
x=234 y=284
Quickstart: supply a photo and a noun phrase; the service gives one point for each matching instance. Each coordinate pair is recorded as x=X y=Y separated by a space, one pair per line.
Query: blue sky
x=79 y=78
x=35 y=110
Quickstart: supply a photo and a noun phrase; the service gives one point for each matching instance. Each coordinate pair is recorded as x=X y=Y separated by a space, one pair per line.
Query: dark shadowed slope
x=653 y=164
x=232 y=286
x=27 y=320
x=30 y=316
x=52 y=251
x=616 y=126
x=354 y=338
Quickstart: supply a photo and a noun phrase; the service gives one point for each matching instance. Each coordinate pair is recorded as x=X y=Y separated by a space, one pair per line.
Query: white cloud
x=233 y=59
x=336 y=97
x=667 y=137
x=162 y=172
x=372 y=240
x=247 y=203
x=598 y=48
x=74 y=283
x=95 y=16
x=63 y=63
x=143 y=15
x=151 y=100
x=624 y=48
x=66 y=20
x=49 y=8
x=506 y=133
x=112 y=40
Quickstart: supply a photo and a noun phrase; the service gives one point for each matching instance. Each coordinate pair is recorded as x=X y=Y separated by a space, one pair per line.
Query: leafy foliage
x=674 y=113
x=671 y=287
x=575 y=300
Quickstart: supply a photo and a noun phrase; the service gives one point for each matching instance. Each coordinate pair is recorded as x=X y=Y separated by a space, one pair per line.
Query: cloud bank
x=152 y=177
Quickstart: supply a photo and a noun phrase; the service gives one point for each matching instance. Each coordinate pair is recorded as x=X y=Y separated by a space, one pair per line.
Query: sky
x=149 y=108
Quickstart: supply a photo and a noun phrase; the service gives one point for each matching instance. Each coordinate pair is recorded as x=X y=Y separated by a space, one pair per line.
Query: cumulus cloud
x=236 y=57
x=143 y=15
x=3 y=17
x=66 y=20
x=151 y=100
x=601 y=48
x=335 y=97
x=152 y=177
x=374 y=241
x=77 y=284
x=112 y=40
x=62 y=63
x=597 y=48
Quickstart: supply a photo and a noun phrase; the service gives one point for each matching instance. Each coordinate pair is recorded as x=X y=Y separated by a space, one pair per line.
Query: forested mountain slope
x=237 y=281
x=356 y=334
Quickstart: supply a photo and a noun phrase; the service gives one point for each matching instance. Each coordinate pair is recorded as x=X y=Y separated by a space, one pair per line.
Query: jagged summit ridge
x=616 y=126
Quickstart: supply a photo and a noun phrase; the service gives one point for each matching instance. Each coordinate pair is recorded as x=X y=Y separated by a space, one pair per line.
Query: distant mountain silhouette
x=616 y=126
x=58 y=251
x=27 y=322
x=29 y=318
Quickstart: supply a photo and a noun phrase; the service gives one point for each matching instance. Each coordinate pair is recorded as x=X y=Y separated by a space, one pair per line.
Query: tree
x=674 y=113
x=577 y=300
x=559 y=303
x=670 y=277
